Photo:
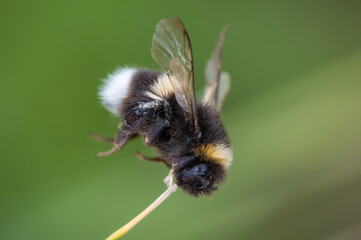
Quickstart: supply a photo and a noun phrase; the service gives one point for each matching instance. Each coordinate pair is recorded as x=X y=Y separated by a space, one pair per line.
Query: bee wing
x=172 y=50
x=218 y=83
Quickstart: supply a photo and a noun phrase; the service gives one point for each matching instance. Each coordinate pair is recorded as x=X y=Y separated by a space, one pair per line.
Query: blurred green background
x=293 y=116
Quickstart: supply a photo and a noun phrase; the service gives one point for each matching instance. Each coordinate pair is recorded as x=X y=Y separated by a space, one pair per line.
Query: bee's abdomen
x=115 y=88
x=125 y=87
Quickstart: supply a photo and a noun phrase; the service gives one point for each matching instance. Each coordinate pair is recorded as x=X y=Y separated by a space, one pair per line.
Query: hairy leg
x=119 y=141
x=100 y=138
x=153 y=159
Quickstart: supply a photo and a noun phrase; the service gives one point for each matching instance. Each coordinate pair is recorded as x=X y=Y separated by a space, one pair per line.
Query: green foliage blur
x=293 y=116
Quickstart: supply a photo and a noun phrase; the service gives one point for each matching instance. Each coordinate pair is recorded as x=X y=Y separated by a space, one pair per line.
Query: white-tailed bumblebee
x=162 y=108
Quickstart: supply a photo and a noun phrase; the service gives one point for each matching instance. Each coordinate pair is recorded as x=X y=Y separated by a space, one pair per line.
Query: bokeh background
x=293 y=116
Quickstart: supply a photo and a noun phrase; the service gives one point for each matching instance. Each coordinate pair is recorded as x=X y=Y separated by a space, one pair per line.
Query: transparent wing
x=171 y=49
x=218 y=83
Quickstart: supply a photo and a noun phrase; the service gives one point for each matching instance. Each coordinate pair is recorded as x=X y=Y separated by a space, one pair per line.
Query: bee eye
x=200 y=169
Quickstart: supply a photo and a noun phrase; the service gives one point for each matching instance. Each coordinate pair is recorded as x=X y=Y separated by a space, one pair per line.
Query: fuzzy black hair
x=169 y=128
x=214 y=175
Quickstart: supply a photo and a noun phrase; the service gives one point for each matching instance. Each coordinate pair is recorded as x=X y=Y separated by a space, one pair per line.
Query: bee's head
x=197 y=176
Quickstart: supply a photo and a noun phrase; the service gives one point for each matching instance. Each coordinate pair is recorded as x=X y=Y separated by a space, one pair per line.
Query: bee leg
x=153 y=159
x=157 y=131
x=119 y=141
x=100 y=138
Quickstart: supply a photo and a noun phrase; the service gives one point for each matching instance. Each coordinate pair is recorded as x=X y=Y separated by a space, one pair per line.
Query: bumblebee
x=161 y=107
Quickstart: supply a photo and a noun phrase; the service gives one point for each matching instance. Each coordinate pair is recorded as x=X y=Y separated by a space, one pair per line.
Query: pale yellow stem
x=172 y=187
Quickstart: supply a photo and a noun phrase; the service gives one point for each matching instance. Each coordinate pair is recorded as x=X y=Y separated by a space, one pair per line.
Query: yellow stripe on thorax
x=219 y=153
x=161 y=89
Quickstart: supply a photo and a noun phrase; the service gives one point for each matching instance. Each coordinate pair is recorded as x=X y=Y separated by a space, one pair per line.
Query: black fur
x=140 y=83
x=169 y=129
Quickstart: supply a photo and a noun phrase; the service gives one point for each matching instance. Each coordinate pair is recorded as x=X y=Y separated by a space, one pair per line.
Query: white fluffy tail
x=115 y=88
